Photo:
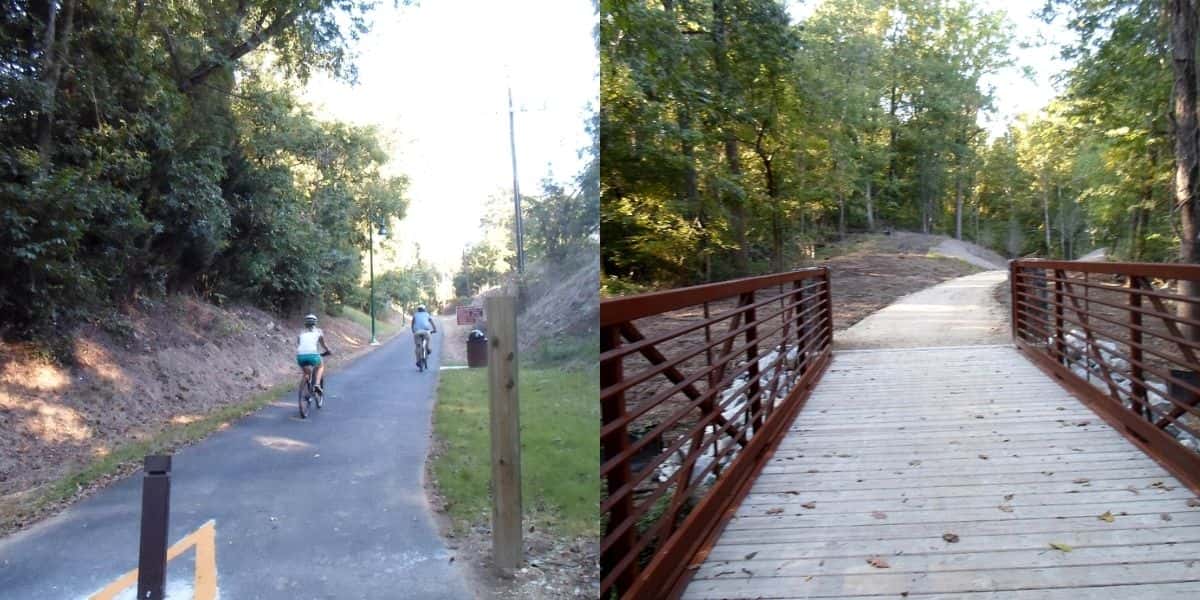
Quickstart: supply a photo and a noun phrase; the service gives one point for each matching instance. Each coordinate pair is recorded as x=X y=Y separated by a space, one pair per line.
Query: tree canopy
x=733 y=139
x=149 y=147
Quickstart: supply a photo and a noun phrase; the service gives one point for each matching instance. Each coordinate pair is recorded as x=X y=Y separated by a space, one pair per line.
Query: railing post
x=1014 y=286
x=612 y=409
x=156 y=509
x=827 y=299
x=1135 y=349
x=1059 y=346
x=801 y=331
x=752 y=393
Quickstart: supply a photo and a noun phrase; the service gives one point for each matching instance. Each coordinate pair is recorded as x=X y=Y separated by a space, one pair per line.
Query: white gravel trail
x=959 y=312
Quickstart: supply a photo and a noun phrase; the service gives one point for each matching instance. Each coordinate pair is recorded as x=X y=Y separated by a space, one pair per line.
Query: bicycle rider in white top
x=422 y=327
x=309 y=346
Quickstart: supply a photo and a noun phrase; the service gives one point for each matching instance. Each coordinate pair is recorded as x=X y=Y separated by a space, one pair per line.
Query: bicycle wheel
x=302 y=395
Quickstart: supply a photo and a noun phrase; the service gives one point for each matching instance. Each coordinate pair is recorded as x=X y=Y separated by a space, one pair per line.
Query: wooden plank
x=794 y=515
x=783 y=534
x=997 y=461
x=988 y=498
x=1137 y=591
x=506 y=431
x=1105 y=538
x=954 y=582
x=838 y=493
x=977 y=478
x=954 y=443
x=1024 y=558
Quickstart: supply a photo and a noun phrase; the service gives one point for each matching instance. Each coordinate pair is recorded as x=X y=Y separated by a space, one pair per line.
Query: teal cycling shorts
x=308 y=360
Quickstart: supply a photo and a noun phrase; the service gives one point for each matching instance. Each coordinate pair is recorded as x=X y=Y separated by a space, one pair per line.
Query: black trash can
x=477 y=349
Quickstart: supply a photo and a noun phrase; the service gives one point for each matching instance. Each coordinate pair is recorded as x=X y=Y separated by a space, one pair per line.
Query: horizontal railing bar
x=1156 y=270
x=1155 y=292
x=1123 y=326
x=1168 y=378
x=612 y=463
x=708 y=394
x=628 y=308
x=647 y=374
x=631 y=348
x=1125 y=308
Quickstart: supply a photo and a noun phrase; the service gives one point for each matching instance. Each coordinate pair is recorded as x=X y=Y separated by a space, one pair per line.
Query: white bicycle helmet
x=310 y=319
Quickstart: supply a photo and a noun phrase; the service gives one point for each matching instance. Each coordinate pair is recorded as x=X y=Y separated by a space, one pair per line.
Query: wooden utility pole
x=501 y=314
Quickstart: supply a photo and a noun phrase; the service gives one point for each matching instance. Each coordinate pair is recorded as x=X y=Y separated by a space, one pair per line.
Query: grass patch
x=563 y=351
x=126 y=457
x=382 y=327
x=560 y=432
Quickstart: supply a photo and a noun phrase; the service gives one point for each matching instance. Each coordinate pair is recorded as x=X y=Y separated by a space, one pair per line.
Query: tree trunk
x=1063 y=226
x=1183 y=46
x=51 y=72
x=841 y=215
x=1046 y=216
x=958 y=205
x=737 y=211
x=870 y=208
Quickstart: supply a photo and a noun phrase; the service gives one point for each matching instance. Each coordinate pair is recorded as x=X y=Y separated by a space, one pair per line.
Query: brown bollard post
x=501 y=314
x=156 y=505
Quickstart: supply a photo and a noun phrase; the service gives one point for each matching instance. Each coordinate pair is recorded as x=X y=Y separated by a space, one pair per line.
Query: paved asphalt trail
x=329 y=507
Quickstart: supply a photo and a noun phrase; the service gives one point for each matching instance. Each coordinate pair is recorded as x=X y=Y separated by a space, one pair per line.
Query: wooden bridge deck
x=900 y=478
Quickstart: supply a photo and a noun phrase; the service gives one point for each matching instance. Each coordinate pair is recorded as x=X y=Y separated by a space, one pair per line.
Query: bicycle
x=308 y=393
x=423 y=350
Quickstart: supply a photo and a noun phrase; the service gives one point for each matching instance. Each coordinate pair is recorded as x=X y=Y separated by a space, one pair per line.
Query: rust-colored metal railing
x=697 y=386
x=1126 y=338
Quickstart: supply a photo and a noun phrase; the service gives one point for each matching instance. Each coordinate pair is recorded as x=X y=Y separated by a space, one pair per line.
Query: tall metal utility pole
x=518 y=225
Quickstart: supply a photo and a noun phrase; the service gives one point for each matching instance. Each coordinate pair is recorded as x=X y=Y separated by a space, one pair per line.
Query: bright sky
x=1036 y=47
x=434 y=79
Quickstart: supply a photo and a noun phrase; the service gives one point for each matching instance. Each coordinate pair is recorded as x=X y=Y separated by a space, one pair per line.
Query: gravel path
x=959 y=312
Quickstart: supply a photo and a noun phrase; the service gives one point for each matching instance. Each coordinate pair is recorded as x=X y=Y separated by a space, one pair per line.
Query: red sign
x=469 y=315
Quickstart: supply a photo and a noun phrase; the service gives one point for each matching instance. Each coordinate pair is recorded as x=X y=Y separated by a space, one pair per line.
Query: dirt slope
x=169 y=363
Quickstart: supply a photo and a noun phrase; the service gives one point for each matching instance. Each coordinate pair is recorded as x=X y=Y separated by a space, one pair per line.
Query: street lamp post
x=519 y=227
x=371 y=252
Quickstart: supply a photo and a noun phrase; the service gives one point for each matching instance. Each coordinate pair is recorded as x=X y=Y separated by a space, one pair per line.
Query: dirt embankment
x=561 y=303
x=169 y=364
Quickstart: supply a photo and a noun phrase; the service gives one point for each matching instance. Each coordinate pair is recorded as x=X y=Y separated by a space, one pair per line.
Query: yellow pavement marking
x=205 y=580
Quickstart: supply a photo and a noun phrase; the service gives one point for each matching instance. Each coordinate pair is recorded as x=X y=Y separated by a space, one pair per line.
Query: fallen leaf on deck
x=1193 y=502
x=1006 y=508
x=878 y=563
x=751 y=555
x=809 y=505
x=1081 y=480
x=1107 y=517
x=1133 y=489
x=983 y=456
x=1060 y=546
x=879 y=515
x=913 y=463
x=775 y=511
x=792 y=493
x=1165 y=517
x=1008 y=497
x=950 y=537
